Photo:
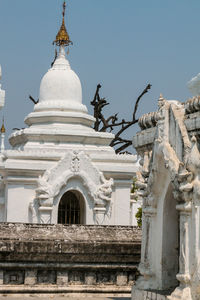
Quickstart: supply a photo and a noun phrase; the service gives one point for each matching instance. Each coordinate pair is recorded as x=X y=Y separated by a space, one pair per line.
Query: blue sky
x=122 y=44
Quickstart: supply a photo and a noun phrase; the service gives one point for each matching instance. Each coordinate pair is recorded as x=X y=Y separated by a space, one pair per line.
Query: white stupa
x=60 y=170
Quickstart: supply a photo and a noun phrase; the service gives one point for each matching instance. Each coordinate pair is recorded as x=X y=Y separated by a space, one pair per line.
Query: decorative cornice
x=148 y=120
x=192 y=105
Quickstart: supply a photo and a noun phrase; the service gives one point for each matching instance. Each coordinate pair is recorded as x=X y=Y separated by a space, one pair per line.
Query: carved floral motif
x=75 y=163
x=78 y=165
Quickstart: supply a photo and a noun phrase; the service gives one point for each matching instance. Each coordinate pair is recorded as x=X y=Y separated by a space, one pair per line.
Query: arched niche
x=71 y=208
x=170 y=241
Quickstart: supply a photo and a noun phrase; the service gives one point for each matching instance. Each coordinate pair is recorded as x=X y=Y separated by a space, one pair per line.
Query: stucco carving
x=172 y=159
x=191 y=186
x=192 y=105
x=75 y=165
x=148 y=120
x=104 y=190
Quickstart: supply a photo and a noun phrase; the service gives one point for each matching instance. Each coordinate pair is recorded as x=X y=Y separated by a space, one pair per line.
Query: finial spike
x=62 y=38
x=3 y=130
x=64 y=7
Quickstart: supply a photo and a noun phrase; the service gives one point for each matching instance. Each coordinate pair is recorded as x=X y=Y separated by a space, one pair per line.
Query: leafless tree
x=109 y=124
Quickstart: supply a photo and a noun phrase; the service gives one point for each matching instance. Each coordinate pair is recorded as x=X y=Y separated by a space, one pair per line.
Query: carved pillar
x=195 y=245
x=184 y=252
x=62 y=277
x=99 y=214
x=146 y=265
x=30 y=277
x=45 y=214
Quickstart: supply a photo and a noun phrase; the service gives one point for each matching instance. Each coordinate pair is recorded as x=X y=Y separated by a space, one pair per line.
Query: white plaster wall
x=122 y=203
x=2 y=203
x=18 y=200
x=164 y=242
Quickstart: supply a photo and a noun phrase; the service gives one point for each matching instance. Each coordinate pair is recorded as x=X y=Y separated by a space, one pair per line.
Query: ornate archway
x=73 y=165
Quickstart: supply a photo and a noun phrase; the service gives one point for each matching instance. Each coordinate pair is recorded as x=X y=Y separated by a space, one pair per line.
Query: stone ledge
x=59 y=258
x=41 y=232
x=10 y=289
x=150 y=294
x=56 y=265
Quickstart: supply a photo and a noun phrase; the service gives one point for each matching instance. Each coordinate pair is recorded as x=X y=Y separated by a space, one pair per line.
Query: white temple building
x=60 y=170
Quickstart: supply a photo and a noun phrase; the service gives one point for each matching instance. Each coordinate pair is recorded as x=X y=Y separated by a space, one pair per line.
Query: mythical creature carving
x=104 y=191
x=173 y=150
x=190 y=185
x=74 y=165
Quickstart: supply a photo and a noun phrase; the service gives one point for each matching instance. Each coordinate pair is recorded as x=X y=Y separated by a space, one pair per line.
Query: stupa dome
x=61 y=83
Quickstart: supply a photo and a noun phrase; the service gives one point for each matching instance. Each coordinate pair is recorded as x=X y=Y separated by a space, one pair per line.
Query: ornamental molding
x=177 y=153
x=148 y=120
x=192 y=105
x=75 y=165
x=169 y=186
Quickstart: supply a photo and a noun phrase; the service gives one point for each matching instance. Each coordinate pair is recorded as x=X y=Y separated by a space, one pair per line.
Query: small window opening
x=69 y=210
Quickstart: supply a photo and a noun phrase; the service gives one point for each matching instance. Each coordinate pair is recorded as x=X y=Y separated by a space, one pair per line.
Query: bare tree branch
x=33 y=100
x=104 y=124
x=98 y=104
x=56 y=55
x=126 y=145
x=138 y=99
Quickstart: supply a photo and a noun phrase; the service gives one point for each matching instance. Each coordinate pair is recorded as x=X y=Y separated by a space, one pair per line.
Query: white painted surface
x=18 y=199
x=121 y=205
x=61 y=83
x=60 y=151
x=169 y=184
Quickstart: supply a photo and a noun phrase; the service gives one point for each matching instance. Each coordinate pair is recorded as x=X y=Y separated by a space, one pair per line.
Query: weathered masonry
x=68 y=258
x=169 y=185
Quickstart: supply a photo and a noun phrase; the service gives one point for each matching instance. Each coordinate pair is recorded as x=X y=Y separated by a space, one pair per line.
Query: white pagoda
x=60 y=170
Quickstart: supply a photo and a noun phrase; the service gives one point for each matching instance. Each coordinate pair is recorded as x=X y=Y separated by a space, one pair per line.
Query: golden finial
x=62 y=38
x=3 y=130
